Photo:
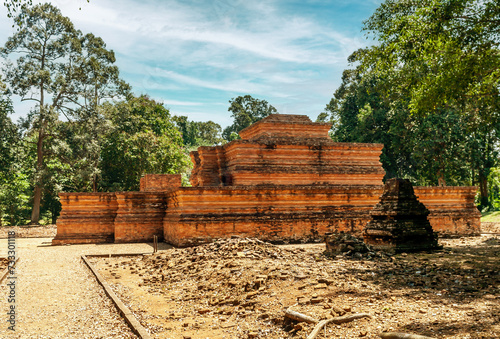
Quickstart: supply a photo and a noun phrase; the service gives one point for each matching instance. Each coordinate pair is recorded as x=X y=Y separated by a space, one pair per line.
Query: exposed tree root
x=299 y=317
x=398 y=335
x=337 y=320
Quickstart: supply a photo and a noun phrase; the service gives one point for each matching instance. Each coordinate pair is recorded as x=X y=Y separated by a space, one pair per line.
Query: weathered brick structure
x=116 y=217
x=285 y=180
x=160 y=182
x=86 y=218
x=399 y=221
x=453 y=211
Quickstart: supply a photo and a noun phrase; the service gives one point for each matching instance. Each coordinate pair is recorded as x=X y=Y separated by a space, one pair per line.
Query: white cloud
x=181 y=103
x=199 y=53
x=265 y=32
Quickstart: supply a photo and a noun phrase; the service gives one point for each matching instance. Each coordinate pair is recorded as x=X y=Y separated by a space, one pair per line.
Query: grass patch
x=490 y=216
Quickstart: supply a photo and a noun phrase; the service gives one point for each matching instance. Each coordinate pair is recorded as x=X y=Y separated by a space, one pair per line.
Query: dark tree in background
x=142 y=139
x=246 y=110
x=63 y=73
x=429 y=90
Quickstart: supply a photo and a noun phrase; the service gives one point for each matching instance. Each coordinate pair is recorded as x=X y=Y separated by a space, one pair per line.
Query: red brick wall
x=86 y=218
x=290 y=213
x=110 y=217
x=160 y=182
x=139 y=216
x=452 y=209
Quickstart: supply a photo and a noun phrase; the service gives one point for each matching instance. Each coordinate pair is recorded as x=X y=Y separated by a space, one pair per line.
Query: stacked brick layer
x=272 y=213
x=139 y=216
x=160 y=182
x=453 y=211
x=86 y=218
x=288 y=213
x=286 y=125
x=285 y=161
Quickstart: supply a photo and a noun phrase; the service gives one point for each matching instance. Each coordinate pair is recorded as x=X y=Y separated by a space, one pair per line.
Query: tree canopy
x=198 y=133
x=143 y=139
x=245 y=110
x=428 y=89
x=62 y=72
x=438 y=54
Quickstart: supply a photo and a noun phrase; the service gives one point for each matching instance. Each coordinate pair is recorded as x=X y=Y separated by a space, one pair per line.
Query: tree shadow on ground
x=460 y=277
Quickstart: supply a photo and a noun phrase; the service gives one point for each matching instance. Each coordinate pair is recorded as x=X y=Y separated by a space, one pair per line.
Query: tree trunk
x=483 y=190
x=441 y=180
x=35 y=212
x=94 y=183
x=54 y=215
x=37 y=196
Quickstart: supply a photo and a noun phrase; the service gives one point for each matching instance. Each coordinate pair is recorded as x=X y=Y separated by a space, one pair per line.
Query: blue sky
x=196 y=55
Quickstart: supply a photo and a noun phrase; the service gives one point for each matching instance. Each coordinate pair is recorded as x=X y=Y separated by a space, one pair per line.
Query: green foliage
x=198 y=133
x=494 y=189
x=428 y=90
x=8 y=131
x=16 y=6
x=438 y=53
x=245 y=110
x=63 y=72
x=15 y=197
x=13 y=183
x=143 y=139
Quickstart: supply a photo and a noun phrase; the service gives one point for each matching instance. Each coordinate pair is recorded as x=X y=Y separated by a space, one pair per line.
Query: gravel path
x=56 y=295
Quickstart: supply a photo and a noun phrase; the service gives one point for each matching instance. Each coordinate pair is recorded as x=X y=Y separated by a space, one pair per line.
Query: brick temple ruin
x=285 y=180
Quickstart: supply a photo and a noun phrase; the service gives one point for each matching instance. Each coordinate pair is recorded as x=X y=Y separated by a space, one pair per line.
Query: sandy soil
x=39 y=231
x=56 y=296
x=3 y=264
x=240 y=288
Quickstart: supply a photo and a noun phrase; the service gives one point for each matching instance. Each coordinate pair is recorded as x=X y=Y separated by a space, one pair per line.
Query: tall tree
x=63 y=72
x=440 y=53
x=143 y=139
x=442 y=56
x=98 y=80
x=198 y=133
x=44 y=39
x=245 y=110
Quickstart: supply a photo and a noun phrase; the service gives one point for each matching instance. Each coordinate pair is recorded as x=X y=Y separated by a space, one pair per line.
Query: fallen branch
x=397 y=335
x=338 y=321
x=299 y=317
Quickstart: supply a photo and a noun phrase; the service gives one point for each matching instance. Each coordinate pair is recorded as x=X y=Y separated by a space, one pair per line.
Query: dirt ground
x=3 y=264
x=241 y=288
x=38 y=231
x=56 y=295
